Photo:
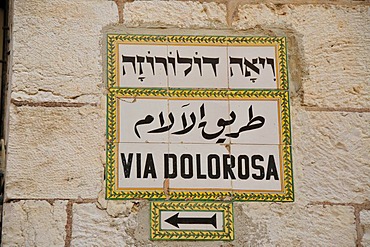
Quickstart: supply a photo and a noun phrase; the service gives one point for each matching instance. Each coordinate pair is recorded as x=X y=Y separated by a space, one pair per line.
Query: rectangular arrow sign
x=192 y=221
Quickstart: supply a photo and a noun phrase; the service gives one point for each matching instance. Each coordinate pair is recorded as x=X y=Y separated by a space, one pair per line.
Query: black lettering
x=149 y=167
x=182 y=60
x=235 y=60
x=171 y=60
x=258 y=167
x=138 y=165
x=210 y=166
x=271 y=169
x=151 y=61
x=228 y=166
x=251 y=66
x=127 y=164
x=140 y=60
x=127 y=59
x=213 y=62
x=167 y=173
x=163 y=61
x=198 y=61
x=183 y=159
x=243 y=161
x=270 y=61
x=199 y=171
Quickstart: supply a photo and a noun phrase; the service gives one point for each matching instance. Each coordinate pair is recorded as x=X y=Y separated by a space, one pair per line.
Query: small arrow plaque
x=191 y=220
x=196 y=220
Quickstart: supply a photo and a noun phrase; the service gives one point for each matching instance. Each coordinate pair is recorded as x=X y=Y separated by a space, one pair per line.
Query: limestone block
x=117 y=208
x=55 y=152
x=183 y=14
x=331 y=156
x=102 y=203
x=365 y=224
x=256 y=224
x=34 y=223
x=57 y=48
x=94 y=227
x=289 y=224
x=333 y=42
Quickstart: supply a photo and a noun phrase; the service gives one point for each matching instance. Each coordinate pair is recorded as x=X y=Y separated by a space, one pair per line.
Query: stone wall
x=56 y=145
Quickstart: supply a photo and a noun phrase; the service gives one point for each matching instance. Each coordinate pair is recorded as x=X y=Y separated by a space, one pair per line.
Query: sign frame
x=281 y=95
x=113 y=41
x=156 y=233
x=112 y=147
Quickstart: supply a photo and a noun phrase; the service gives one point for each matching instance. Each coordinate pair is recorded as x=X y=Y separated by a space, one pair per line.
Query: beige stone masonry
x=55 y=152
x=94 y=227
x=294 y=225
x=57 y=48
x=34 y=223
x=56 y=149
x=334 y=43
x=365 y=224
x=165 y=13
x=255 y=225
x=334 y=40
x=331 y=156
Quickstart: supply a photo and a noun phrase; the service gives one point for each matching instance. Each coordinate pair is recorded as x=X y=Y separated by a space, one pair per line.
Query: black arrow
x=175 y=220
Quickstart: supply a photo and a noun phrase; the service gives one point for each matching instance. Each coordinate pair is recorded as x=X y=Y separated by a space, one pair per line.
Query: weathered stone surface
x=365 y=224
x=94 y=227
x=58 y=152
x=102 y=203
x=57 y=47
x=34 y=223
x=331 y=156
x=166 y=13
x=334 y=42
x=55 y=152
x=293 y=225
x=117 y=208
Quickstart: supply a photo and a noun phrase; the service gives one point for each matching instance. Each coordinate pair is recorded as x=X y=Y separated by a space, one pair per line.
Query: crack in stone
x=51 y=104
x=29 y=95
x=120 y=6
x=68 y=227
x=339 y=109
x=358 y=207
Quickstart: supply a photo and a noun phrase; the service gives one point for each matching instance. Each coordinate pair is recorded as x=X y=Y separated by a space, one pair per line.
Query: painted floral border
x=282 y=96
x=114 y=39
x=157 y=234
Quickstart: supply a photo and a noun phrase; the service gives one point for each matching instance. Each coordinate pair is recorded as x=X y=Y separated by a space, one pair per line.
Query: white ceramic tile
x=142 y=65
x=257 y=122
x=252 y=67
x=198 y=121
x=143 y=163
x=257 y=168
x=198 y=167
x=214 y=219
x=198 y=66
x=143 y=120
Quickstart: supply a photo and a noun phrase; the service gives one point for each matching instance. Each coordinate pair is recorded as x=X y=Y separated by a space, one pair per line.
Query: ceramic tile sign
x=141 y=61
x=191 y=221
x=198 y=118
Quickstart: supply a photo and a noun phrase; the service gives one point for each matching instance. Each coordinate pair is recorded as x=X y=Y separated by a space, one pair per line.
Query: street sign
x=192 y=221
x=198 y=118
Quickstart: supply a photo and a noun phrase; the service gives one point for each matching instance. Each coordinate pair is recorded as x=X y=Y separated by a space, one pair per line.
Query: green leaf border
x=157 y=234
x=114 y=39
x=282 y=96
